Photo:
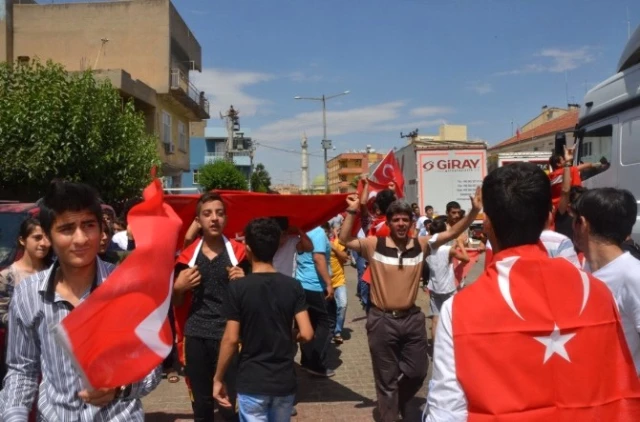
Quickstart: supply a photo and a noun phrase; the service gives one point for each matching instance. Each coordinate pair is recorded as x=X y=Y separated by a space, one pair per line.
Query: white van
x=608 y=129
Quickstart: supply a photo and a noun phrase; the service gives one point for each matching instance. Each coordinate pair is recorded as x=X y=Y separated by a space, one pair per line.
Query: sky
x=407 y=63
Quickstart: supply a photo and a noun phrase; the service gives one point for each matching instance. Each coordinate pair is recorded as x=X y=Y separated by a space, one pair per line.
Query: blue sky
x=408 y=64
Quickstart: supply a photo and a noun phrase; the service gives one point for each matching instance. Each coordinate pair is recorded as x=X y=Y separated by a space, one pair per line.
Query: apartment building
x=345 y=168
x=143 y=46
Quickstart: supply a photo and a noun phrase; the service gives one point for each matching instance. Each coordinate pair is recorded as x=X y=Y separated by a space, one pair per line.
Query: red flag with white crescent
x=536 y=339
x=121 y=332
x=388 y=171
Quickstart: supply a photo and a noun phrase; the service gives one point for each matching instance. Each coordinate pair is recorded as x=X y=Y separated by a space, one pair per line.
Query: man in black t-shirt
x=261 y=310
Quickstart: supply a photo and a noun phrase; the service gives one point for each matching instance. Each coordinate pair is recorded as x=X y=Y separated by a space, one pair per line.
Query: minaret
x=304 y=166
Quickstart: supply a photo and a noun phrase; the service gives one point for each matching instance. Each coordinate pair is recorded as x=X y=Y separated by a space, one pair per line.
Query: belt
x=399 y=314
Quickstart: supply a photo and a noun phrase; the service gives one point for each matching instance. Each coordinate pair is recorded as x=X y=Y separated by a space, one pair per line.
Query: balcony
x=212 y=157
x=188 y=95
x=350 y=170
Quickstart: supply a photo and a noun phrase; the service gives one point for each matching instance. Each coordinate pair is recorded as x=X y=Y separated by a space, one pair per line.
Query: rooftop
x=566 y=122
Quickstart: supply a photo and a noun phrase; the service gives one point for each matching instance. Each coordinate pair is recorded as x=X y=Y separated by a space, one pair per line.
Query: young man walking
x=396 y=327
x=71 y=217
x=537 y=327
x=604 y=219
x=261 y=310
x=203 y=274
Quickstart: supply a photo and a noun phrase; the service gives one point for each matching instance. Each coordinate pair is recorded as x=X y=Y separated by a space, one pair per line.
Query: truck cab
x=608 y=128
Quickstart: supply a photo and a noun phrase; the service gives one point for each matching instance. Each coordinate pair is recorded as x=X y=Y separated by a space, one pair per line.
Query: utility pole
x=326 y=143
x=304 y=165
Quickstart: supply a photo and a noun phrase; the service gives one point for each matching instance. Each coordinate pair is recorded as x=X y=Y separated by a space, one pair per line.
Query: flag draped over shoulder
x=120 y=333
x=303 y=211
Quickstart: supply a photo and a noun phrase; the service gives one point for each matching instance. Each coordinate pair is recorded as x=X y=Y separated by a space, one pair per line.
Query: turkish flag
x=536 y=339
x=304 y=211
x=388 y=171
x=121 y=332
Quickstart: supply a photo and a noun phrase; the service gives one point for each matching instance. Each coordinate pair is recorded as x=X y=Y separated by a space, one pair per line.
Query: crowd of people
x=549 y=331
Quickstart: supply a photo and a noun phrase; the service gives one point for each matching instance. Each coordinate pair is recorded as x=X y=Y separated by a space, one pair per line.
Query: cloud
x=556 y=60
x=385 y=117
x=431 y=111
x=299 y=77
x=481 y=88
x=226 y=87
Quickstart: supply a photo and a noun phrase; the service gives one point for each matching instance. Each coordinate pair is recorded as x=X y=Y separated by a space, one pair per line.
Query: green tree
x=260 y=179
x=221 y=174
x=55 y=124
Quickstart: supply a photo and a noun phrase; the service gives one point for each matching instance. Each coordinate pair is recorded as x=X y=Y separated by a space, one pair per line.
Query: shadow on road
x=167 y=417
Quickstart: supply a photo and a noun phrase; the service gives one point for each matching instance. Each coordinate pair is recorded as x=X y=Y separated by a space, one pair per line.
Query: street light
x=326 y=144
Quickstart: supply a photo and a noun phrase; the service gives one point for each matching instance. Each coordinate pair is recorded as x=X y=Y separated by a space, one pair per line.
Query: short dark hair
x=384 y=198
x=517 y=200
x=414 y=205
x=262 y=235
x=63 y=196
x=555 y=160
x=283 y=223
x=209 y=197
x=453 y=205
x=574 y=193
x=611 y=213
x=398 y=207
x=427 y=208
x=438 y=225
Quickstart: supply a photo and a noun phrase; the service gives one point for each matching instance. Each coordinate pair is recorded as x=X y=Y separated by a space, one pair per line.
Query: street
x=349 y=396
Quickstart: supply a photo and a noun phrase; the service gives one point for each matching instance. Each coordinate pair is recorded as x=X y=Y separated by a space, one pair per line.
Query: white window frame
x=166 y=128
x=195 y=177
x=182 y=136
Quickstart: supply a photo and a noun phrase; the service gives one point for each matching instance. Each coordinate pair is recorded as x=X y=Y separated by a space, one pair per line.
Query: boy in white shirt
x=442 y=280
x=603 y=220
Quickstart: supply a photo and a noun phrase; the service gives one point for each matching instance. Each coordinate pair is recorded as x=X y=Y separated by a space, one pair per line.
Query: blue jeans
x=340 y=296
x=260 y=408
x=363 y=288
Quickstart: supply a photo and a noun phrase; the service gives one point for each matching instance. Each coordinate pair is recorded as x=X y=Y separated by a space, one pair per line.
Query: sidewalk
x=349 y=396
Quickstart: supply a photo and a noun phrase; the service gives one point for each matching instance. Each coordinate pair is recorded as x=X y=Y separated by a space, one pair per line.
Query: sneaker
x=294 y=412
x=325 y=373
x=337 y=339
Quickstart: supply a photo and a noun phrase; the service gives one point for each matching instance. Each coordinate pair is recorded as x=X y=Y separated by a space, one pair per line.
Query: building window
x=588 y=149
x=182 y=136
x=195 y=177
x=166 y=127
x=358 y=163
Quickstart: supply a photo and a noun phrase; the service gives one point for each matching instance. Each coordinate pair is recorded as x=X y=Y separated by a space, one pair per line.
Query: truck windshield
x=9 y=228
x=594 y=151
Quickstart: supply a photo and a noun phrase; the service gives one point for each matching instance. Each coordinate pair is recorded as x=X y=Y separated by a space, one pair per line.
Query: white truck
x=437 y=172
x=540 y=158
x=608 y=129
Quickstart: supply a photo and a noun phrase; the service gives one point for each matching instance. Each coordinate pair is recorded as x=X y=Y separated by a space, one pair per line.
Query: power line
x=290 y=151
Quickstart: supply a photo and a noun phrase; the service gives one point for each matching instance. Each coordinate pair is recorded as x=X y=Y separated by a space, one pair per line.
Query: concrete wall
x=71 y=34
x=453 y=133
x=184 y=43
x=546 y=115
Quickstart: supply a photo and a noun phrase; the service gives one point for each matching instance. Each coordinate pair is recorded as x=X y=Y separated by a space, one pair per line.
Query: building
x=445 y=133
x=539 y=134
x=286 y=189
x=345 y=168
x=212 y=145
x=143 y=46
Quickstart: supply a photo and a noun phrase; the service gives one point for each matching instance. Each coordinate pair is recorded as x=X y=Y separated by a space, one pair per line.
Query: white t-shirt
x=559 y=246
x=121 y=239
x=441 y=275
x=622 y=276
x=420 y=224
x=285 y=257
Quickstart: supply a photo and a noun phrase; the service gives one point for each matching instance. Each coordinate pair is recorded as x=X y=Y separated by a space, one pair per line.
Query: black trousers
x=398 y=349
x=314 y=353
x=201 y=356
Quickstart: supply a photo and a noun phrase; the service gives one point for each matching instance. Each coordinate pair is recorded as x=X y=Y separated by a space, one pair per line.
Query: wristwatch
x=123 y=392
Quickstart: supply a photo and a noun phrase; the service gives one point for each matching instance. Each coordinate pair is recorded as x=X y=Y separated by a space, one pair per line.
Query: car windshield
x=9 y=227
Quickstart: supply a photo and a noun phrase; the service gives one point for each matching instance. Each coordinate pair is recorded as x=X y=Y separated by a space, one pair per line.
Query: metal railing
x=180 y=80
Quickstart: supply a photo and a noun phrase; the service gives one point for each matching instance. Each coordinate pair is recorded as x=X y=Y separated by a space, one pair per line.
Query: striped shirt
x=32 y=351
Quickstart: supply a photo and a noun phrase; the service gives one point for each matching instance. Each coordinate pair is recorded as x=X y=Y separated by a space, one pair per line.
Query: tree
x=260 y=179
x=55 y=124
x=221 y=174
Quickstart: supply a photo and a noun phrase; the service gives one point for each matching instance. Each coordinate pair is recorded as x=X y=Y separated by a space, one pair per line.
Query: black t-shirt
x=564 y=224
x=265 y=304
x=206 y=318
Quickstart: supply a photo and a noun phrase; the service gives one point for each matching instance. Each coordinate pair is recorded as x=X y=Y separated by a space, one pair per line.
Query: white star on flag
x=555 y=343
